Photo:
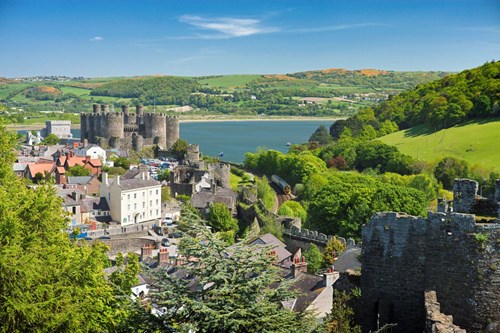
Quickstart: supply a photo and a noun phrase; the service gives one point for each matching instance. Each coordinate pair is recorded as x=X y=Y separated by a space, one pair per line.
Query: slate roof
x=348 y=259
x=130 y=174
x=131 y=184
x=19 y=167
x=80 y=180
x=66 y=195
x=277 y=245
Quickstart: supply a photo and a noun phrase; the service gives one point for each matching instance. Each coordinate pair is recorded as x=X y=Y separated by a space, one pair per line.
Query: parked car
x=165 y=242
x=105 y=237
x=176 y=234
x=167 y=221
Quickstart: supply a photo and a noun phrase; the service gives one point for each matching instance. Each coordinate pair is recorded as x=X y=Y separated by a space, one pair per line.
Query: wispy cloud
x=225 y=27
x=229 y=27
x=96 y=39
x=336 y=27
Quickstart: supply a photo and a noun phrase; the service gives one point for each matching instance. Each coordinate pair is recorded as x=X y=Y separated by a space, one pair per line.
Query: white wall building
x=94 y=151
x=61 y=128
x=132 y=201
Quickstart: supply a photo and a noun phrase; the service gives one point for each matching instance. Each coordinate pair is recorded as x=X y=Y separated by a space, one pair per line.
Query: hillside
x=473 y=93
x=475 y=142
x=329 y=92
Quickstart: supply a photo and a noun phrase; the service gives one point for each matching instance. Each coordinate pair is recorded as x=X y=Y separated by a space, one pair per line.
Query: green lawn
x=477 y=142
x=229 y=81
x=75 y=90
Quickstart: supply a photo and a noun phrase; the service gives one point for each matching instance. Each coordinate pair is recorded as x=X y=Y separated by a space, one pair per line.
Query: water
x=235 y=138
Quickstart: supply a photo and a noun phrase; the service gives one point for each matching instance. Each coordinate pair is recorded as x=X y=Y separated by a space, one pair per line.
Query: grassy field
x=228 y=81
x=476 y=142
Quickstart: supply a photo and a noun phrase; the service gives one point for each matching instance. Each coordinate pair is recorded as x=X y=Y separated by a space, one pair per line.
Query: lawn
x=476 y=142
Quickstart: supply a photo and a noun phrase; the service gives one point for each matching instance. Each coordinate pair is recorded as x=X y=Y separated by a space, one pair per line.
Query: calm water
x=235 y=138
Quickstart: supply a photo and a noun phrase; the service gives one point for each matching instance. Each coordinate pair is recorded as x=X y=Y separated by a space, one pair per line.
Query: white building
x=94 y=151
x=132 y=201
x=61 y=128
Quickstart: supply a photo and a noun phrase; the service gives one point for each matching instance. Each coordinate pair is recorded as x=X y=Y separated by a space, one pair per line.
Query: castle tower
x=464 y=195
x=155 y=127
x=125 y=114
x=172 y=131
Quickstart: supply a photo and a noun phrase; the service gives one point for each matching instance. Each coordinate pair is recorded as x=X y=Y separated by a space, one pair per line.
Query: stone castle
x=128 y=130
x=434 y=274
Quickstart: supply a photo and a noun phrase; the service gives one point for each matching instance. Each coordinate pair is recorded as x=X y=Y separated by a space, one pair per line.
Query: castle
x=128 y=130
x=434 y=274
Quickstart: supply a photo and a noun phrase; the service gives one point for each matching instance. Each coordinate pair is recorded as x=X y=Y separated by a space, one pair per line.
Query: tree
x=320 y=135
x=179 y=148
x=341 y=318
x=165 y=194
x=293 y=209
x=51 y=139
x=334 y=247
x=125 y=276
x=450 y=168
x=240 y=290
x=122 y=162
x=48 y=283
x=78 y=170
x=163 y=175
x=220 y=219
x=314 y=258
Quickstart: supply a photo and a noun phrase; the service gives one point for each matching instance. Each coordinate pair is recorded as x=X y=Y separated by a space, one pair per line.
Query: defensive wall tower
x=155 y=126
x=172 y=131
x=221 y=173
x=137 y=142
x=404 y=256
x=139 y=114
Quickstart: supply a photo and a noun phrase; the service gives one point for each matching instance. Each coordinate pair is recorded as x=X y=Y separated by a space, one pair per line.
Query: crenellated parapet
x=154 y=128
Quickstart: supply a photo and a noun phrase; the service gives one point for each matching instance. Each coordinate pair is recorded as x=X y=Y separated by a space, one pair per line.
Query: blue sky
x=125 y=38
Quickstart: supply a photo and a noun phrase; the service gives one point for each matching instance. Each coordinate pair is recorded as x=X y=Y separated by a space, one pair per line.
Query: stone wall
x=403 y=256
x=435 y=321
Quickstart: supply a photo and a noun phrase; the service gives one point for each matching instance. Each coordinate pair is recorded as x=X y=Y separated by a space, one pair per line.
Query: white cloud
x=225 y=27
x=96 y=39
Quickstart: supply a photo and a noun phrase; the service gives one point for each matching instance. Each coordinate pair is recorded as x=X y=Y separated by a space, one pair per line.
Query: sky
x=102 y=38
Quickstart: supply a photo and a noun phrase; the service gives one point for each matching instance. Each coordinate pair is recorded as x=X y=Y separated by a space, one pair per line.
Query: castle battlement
x=101 y=125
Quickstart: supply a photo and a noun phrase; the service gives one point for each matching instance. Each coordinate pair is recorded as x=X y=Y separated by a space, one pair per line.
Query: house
x=90 y=185
x=68 y=161
x=202 y=200
x=19 y=169
x=93 y=151
x=284 y=257
x=40 y=167
x=132 y=201
x=72 y=204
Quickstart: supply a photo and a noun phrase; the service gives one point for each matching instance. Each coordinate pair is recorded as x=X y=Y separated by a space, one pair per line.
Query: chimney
x=299 y=266
x=117 y=179
x=105 y=178
x=74 y=195
x=329 y=277
x=146 y=251
x=163 y=256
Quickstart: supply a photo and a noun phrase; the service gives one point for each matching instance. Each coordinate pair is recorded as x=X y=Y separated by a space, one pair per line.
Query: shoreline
x=209 y=118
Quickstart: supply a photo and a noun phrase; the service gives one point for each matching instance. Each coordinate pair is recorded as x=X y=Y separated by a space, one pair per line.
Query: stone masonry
x=404 y=256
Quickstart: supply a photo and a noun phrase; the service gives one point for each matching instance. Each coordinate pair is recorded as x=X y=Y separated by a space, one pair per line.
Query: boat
x=288 y=144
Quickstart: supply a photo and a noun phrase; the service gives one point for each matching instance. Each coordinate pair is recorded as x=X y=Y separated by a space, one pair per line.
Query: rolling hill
x=475 y=142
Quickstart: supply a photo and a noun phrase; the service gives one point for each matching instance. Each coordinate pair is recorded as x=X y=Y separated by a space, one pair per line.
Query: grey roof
x=80 y=180
x=131 y=174
x=66 y=195
x=277 y=245
x=131 y=184
x=102 y=204
x=19 y=167
x=348 y=259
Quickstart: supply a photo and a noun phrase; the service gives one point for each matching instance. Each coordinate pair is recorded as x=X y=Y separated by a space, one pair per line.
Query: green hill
x=475 y=142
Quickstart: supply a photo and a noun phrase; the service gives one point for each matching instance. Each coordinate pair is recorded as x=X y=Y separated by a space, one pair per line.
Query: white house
x=132 y=201
x=94 y=151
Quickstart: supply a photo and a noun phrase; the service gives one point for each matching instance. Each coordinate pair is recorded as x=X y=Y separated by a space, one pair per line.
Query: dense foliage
x=341 y=203
x=443 y=103
x=47 y=282
x=237 y=291
x=150 y=90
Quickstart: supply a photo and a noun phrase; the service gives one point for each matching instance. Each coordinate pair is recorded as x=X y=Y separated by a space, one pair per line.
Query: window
x=128 y=207
x=156 y=192
x=135 y=206
x=156 y=201
x=157 y=212
x=151 y=202
x=143 y=194
x=128 y=196
x=150 y=213
x=150 y=193
x=74 y=209
x=144 y=204
x=135 y=195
